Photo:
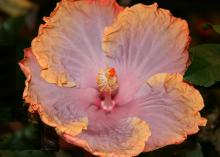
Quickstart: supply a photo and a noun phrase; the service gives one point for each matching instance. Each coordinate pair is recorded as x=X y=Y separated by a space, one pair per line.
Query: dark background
x=23 y=134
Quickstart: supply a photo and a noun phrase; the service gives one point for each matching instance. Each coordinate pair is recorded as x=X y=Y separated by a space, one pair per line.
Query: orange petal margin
x=173 y=84
x=49 y=62
x=175 y=81
x=74 y=128
x=117 y=37
x=48 y=73
x=133 y=146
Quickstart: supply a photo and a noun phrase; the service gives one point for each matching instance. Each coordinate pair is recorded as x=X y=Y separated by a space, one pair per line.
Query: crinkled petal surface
x=143 y=41
x=62 y=108
x=69 y=109
x=122 y=138
x=68 y=45
x=170 y=107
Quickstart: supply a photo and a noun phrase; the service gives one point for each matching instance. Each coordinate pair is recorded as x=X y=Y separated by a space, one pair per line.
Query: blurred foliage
x=10 y=30
x=187 y=149
x=23 y=135
x=26 y=153
x=205 y=67
x=20 y=138
x=216 y=28
x=208 y=26
x=16 y=7
x=37 y=153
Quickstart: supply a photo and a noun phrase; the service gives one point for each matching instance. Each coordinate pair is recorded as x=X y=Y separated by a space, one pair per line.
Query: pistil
x=107 y=104
x=107 y=84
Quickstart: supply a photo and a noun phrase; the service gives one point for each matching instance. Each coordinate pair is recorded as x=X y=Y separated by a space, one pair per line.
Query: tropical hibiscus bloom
x=110 y=79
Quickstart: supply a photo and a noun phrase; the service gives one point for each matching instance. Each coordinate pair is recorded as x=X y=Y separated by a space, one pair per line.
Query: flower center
x=107 y=84
x=108 y=103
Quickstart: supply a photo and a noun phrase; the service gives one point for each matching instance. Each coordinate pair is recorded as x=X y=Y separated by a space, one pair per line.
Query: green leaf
x=216 y=28
x=205 y=67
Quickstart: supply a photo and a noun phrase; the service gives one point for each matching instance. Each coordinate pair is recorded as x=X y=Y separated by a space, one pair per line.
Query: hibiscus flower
x=110 y=79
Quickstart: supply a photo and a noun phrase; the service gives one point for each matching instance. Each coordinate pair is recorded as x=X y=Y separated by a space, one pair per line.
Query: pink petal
x=69 y=109
x=143 y=41
x=122 y=138
x=63 y=108
x=68 y=46
x=170 y=107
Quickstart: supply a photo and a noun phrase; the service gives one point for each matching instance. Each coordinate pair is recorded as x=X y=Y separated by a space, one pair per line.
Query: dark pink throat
x=107 y=102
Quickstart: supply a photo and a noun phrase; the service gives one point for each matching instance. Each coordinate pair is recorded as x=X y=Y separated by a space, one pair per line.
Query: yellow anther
x=107 y=80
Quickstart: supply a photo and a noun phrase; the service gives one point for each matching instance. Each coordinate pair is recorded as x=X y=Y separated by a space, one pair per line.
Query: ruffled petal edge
x=140 y=134
x=48 y=73
x=73 y=128
x=176 y=81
